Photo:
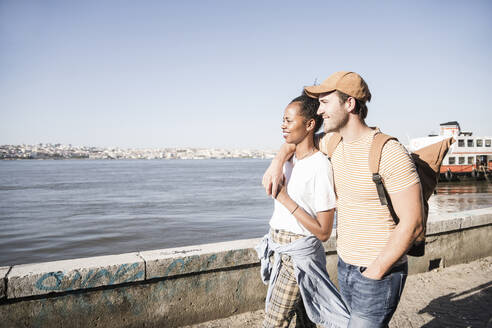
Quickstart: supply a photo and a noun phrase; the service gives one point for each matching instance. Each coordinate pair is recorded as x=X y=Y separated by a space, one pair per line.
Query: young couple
x=372 y=265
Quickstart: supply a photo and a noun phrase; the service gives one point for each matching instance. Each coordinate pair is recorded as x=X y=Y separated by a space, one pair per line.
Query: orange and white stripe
x=363 y=224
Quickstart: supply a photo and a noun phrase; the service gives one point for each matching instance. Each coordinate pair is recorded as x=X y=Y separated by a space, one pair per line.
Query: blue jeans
x=372 y=302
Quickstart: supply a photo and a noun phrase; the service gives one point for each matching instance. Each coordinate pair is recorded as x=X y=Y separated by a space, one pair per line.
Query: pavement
x=455 y=296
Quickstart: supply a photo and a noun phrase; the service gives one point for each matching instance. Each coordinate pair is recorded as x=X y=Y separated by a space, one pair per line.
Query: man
x=372 y=264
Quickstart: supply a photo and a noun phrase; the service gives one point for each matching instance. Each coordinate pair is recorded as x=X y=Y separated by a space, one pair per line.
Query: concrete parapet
x=462 y=237
x=170 y=262
x=460 y=220
x=165 y=263
x=62 y=276
x=185 y=285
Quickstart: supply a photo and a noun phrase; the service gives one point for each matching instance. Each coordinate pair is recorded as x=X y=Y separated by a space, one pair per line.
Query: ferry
x=468 y=157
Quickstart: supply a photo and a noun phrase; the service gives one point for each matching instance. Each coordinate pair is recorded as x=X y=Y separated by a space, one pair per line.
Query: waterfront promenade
x=456 y=296
x=190 y=285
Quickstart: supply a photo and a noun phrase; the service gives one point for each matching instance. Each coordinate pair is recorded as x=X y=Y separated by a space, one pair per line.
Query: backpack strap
x=328 y=144
x=380 y=139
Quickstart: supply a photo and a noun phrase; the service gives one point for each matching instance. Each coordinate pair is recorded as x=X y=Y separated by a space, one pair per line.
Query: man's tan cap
x=349 y=83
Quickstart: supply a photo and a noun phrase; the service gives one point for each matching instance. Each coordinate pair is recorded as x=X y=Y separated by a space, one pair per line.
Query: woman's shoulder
x=320 y=161
x=321 y=157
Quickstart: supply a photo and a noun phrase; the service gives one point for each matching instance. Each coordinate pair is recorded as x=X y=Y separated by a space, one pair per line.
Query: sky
x=220 y=73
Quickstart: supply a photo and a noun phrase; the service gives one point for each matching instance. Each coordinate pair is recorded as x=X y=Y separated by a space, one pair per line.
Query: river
x=61 y=209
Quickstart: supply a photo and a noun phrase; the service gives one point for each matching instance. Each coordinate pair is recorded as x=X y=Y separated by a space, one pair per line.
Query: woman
x=302 y=218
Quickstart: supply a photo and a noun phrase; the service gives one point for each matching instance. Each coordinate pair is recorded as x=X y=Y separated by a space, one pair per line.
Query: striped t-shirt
x=363 y=224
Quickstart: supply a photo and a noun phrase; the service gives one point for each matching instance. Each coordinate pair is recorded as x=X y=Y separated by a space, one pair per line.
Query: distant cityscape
x=60 y=151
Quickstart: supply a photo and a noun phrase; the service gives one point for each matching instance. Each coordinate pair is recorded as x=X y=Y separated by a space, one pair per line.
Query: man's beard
x=335 y=123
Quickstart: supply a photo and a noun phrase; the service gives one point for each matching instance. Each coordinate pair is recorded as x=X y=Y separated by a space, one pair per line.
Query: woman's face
x=294 y=127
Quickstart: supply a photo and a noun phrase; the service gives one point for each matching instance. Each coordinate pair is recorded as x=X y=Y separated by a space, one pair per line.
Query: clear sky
x=220 y=73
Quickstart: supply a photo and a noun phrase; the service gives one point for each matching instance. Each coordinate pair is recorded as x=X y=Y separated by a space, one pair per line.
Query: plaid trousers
x=286 y=298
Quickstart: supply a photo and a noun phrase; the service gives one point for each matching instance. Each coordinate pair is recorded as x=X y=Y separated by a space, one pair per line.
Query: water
x=460 y=196
x=52 y=210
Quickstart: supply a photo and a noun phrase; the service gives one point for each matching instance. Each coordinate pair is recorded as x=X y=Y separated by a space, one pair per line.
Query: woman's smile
x=293 y=126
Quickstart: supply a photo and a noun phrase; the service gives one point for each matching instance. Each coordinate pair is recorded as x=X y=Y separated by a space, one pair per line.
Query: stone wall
x=179 y=286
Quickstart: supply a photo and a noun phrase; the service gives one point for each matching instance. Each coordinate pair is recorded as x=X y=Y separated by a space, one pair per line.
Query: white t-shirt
x=310 y=184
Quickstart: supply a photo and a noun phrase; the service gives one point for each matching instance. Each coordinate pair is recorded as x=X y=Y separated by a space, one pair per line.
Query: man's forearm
x=408 y=206
x=400 y=241
x=285 y=152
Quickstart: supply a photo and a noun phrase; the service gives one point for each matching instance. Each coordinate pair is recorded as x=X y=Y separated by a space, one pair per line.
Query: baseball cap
x=349 y=83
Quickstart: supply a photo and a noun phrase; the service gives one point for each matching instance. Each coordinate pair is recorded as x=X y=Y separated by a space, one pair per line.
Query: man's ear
x=350 y=104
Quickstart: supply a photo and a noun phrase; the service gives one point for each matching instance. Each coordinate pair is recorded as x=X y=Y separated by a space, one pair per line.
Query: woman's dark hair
x=308 y=107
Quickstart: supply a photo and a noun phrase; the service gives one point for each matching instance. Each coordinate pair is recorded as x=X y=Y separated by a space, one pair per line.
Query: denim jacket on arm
x=323 y=302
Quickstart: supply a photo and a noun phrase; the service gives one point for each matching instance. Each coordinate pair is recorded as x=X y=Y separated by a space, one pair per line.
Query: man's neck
x=354 y=129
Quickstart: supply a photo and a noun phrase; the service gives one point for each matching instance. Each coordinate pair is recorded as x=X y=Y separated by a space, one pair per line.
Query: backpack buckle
x=378 y=180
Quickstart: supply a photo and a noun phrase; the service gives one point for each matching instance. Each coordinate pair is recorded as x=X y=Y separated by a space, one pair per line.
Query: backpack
x=427 y=162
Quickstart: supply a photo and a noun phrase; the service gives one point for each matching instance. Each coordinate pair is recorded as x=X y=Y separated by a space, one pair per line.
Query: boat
x=469 y=157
